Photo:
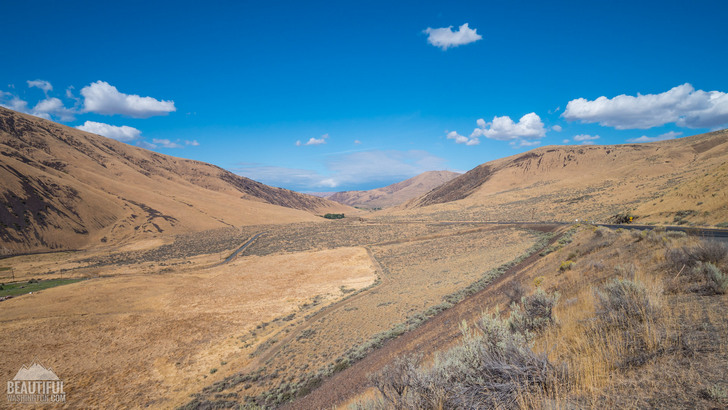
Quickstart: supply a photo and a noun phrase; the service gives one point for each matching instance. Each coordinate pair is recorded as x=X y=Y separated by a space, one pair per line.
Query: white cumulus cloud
x=682 y=105
x=444 y=37
x=53 y=107
x=557 y=128
x=460 y=139
x=313 y=141
x=103 y=98
x=662 y=137
x=504 y=128
x=123 y=133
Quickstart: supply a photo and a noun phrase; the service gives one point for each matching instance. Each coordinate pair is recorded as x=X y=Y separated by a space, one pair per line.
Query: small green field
x=21 y=288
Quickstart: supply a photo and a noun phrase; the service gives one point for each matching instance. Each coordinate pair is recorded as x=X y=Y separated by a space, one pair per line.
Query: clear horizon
x=324 y=97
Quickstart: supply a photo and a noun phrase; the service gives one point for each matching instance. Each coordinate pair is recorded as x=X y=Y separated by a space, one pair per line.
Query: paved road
x=240 y=249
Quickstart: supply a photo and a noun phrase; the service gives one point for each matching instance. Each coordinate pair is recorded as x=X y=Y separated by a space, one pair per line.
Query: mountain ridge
x=394 y=194
x=63 y=188
x=592 y=182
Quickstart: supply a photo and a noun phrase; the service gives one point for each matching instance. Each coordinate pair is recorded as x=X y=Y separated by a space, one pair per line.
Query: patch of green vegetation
x=33 y=285
x=722 y=225
x=566 y=265
x=334 y=216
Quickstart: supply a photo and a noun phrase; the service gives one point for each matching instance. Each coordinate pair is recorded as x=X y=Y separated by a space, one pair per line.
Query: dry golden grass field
x=152 y=339
x=159 y=321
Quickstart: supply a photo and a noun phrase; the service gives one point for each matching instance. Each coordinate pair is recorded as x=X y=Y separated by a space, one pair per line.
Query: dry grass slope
x=62 y=188
x=638 y=323
x=663 y=182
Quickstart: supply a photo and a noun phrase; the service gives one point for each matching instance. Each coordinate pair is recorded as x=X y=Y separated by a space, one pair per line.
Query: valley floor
x=157 y=322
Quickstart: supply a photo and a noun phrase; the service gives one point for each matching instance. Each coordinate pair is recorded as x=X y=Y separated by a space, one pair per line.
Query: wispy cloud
x=524 y=143
x=662 y=137
x=49 y=108
x=682 y=105
x=445 y=37
x=361 y=168
x=42 y=84
x=586 y=139
x=165 y=143
x=103 y=98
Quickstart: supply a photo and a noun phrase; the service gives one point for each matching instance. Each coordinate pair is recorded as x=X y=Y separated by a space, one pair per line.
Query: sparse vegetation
x=492 y=366
x=533 y=314
x=621 y=326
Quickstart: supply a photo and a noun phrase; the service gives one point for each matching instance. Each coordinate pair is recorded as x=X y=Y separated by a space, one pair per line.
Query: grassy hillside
x=611 y=320
x=62 y=188
x=657 y=182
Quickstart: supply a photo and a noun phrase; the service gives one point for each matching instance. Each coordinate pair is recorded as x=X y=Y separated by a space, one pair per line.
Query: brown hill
x=394 y=194
x=681 y=181
x=62 y=188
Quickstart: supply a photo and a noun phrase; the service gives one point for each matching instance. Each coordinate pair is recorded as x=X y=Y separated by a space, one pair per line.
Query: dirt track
x=437 y=333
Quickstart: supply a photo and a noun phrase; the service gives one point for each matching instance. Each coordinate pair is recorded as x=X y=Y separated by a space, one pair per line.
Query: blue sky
x=328 y=96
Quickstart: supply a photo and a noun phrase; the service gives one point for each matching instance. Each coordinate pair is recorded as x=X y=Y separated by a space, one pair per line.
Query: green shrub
x=718 y=280
x=334 y=216
x=707 y=251
x=341 y=365
x=566 y=265
x=533 y=314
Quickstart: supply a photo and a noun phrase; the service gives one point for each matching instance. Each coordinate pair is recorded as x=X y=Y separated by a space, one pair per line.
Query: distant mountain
x=681 y=181
x=394 y=194
x=62 y=188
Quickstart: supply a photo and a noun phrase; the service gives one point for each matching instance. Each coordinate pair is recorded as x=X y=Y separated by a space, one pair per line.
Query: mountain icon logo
x=35 y=372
